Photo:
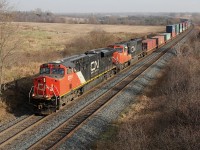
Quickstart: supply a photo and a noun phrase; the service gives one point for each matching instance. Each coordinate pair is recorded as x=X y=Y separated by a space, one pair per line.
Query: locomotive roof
x=121 y=44
x=68 y=61
x=131 y=40
x=99 y=50
x=136 y=39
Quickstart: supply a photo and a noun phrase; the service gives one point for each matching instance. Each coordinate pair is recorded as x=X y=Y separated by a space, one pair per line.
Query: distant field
x=54 y=35
x=85 y=28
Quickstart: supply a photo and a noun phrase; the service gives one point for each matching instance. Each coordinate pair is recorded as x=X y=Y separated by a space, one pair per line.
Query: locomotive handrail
x=30 y=93
x=56 y=89
x=115 y=60
x=52 y=88
x=54 y=93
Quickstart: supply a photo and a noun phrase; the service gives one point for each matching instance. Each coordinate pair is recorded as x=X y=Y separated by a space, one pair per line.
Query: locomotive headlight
x=44 y=80
x=33 y=95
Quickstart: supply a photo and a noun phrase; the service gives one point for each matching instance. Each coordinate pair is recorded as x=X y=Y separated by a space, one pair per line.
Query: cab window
x=120 y=50
x=44 y=71
x=58 y=71
x=69 y=70
x=125 y=49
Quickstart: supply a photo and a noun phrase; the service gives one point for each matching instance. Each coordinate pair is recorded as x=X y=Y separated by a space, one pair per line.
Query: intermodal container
x=170 y=28
x=159 y=40
x=180 y=27
x=166 y=35
x=177 y=29
x=184 y=28
x=186 y=24
x=173 y=34
x=149 y=44
x=189 y=23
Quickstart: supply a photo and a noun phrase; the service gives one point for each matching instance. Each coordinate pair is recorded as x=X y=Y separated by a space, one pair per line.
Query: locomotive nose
x=41 y=88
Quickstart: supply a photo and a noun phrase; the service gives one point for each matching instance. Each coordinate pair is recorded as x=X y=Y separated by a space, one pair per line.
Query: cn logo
x=94 y=66
x=133 y=49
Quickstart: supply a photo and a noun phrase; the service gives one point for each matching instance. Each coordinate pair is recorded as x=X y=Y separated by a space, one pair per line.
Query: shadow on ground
x=16 y=96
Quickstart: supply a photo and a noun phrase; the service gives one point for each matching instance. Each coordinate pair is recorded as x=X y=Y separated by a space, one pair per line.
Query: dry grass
x=167 y=117
x=81 y=29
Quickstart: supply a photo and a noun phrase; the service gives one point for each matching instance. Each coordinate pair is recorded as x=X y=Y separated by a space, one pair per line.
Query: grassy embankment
x=167 y=115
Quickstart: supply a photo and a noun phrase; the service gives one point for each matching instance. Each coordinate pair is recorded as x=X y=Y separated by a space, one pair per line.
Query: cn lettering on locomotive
x=133 y=49
x=70 y=77
x=94 y=66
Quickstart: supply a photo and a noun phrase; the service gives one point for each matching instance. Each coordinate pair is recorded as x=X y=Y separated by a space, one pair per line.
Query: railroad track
x=7 y=135
x=64 y=131
x=61 y=133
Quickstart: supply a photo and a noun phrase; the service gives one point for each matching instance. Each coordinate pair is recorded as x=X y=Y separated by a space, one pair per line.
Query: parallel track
x=10 y=133
x=64 y=131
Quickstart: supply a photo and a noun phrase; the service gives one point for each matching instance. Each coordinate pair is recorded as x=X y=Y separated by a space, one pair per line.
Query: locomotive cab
x=54 y=81
x=45 y=93
x=121 y=56
x=46 y=85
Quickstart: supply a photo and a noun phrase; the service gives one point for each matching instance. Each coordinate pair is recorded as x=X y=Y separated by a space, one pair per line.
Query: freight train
x=64 y=80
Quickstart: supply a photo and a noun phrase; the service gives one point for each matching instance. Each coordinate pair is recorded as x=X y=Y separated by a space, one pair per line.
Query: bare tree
x=8 y=40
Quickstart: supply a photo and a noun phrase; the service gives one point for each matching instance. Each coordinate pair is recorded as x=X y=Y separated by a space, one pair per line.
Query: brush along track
x=64 y=131
x=10 y=133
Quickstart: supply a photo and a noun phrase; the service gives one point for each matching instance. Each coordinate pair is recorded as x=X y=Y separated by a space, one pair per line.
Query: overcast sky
x=85 y=6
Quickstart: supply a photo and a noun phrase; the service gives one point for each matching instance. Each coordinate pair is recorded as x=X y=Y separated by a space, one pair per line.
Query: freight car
x=62 y=81
x=148 y=46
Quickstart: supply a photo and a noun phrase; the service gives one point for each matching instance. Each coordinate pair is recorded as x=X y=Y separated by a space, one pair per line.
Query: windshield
x=54 y=71
x=44 y=71
x=59 y=71
x=119 y=49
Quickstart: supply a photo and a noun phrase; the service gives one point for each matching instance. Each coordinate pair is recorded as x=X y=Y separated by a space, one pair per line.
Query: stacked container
x=186 y=24
x=171 y=29
x=167 y=36
x=189 y=23
x=180 y=27
x=183 y=23
x=177 y=30
x=160 y=39
x=149 y=44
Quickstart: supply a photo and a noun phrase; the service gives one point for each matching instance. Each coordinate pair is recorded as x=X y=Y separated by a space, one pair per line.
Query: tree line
x=37 y=16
